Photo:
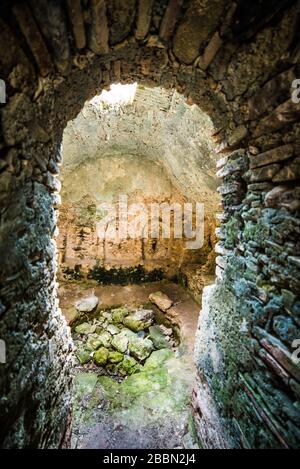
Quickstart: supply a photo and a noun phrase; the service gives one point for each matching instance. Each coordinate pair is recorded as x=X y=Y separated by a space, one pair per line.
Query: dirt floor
x=147 y=410
x=111 y=296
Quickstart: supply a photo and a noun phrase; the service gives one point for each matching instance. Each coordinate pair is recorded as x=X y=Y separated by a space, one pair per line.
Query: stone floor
x=111 y=296
x=147 y=410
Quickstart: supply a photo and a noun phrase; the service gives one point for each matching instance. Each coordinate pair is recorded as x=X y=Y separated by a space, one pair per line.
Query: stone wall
x=236 y=61
x=139 y=150
x=255 y=303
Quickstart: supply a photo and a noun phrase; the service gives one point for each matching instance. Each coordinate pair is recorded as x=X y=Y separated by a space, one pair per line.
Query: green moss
x=84 y=356
x=86 y=390
x=85 y=329
x=101 y=356
x=156 y=390
x=128 y=366
x=72 y=274
x=118 y=315
x=93 y=343
x=232 y=230
x=115 y=357
x=158 y=358
x=257 y=232
x=87 y=216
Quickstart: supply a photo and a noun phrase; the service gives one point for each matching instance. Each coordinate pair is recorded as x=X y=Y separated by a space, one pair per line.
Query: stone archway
x=237 y=66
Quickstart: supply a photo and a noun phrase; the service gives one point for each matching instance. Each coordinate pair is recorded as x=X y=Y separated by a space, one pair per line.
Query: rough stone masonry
x=236 y=60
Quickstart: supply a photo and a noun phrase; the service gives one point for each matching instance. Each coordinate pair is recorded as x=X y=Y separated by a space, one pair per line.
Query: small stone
x=93 y=343
x=105 y=339
x=165 y=330
x=85 y=328
x=115 y=357
x=273 y=197
x=106 y=316
x=265 y=173
x=120 y=342
x=113 y=330
x=161 y=300
x=118 y=315
x=239 y=134
x=290 y=172
x=101 y=356
x=276 y=155
x=286 y=329
x=141 y=348
x=140 y=320
x=144 y=19
x=211 y=51
x=128 y=365
x=296 y=308
x=83 y=356
x=158 y=338
x=87 y=305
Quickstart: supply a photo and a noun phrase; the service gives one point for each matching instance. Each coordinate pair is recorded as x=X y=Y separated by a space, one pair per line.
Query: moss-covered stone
x=112 y=329
x=106 y=317
x=133 y=324
x=232 y=232
x=115 y=357
x=87 y=305
x=158 y=338
x=118 y=315
x=140 y=348
x=158 y=358
x=139 y=320
x=128 y=365
x=101 y=356
x=93 y=343
x=84 y=356
x=85 y=328
x=120 y=342
x=105 y=339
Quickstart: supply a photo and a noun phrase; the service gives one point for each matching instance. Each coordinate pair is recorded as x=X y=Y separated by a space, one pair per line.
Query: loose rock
x=141 y=348
x=87 y=305
x=140 y=320
x=85 y=328
x=158 y=338
x=101 y=356
x=161 y=300
x=120 y=342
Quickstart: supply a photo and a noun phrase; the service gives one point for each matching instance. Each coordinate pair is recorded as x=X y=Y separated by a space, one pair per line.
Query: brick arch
x=237 y=67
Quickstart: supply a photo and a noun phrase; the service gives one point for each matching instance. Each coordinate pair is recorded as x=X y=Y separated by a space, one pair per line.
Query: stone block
x=34 y=38
x=290 y=172
x=144 y=18
x=265 y=173
x=161 y=300
x=77 y=21
x=272 y=156
x=199 y=23
x=170 y=18
x=99 y=34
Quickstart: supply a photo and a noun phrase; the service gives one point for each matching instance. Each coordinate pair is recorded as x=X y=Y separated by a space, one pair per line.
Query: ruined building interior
x=176 y=122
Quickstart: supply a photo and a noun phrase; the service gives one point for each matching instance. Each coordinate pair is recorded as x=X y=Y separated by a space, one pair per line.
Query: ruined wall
x=248 y=372
x=236 y=61
x=141 y=151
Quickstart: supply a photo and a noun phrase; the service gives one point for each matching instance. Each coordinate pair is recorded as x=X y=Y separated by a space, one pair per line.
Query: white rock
x=87 y=305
